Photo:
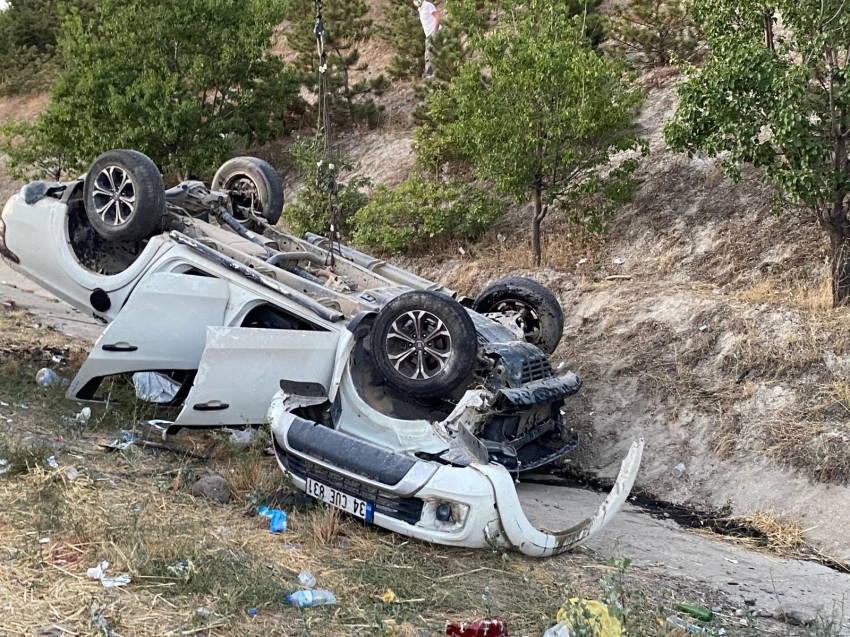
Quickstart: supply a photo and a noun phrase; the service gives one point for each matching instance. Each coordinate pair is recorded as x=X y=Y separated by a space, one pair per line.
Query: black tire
x=401 y=350
x=248 y=180
x=124 y=196
x=541 y=314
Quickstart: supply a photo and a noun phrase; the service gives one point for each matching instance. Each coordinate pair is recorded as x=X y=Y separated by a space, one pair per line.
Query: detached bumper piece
x=540 y=392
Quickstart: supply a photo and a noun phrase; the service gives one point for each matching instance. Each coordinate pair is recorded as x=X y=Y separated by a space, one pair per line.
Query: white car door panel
x=162 y=327
x=242 y=368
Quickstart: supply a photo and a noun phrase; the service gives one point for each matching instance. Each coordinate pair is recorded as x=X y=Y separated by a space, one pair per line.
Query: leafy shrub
x=311 y=211
x=421 y=211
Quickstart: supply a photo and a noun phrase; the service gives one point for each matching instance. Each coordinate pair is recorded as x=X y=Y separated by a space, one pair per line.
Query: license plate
x=340 y=500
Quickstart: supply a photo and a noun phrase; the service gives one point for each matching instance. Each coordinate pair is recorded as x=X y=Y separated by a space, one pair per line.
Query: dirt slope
x=720 y=349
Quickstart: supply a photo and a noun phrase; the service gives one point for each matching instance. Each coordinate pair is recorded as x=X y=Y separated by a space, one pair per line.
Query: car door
x=242 y=368
x=162 y=327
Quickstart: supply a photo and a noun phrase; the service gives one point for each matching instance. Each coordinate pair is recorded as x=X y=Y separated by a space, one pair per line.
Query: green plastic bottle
x=702 y=614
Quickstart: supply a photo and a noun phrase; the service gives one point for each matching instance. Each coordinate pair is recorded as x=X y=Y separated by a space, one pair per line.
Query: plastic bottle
x=702 y=614
x=47 y=378
x=308 y=599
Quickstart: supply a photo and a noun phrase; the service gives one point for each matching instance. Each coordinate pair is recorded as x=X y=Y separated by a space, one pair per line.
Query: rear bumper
x=406 y=491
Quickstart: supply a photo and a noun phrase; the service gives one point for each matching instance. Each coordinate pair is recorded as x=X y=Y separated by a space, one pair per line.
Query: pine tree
x=346 y=25
x=403 y=31
x=661 y=31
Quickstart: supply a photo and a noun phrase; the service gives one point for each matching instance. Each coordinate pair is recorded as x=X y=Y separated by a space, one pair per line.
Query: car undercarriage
x=389 y=396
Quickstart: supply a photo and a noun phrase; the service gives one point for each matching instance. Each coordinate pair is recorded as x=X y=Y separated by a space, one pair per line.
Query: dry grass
x=775 y=532
x=199 y=567
x=803 y=295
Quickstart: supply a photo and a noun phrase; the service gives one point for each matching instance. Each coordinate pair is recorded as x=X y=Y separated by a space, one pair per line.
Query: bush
x=421 y=211
x=311 y=211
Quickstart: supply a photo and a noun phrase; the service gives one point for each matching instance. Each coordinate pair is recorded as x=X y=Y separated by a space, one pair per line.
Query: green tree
x=29 y=30
x=541 y=113
x=402 y=30
x=180 y=80
x=346 y=26
x=779 y=100
x=421 y=211
x=660 y=31
x=312 y=209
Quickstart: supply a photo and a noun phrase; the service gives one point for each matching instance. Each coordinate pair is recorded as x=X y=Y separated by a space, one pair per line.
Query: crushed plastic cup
x=83 y=416
x=48 y=378
x=679 y=470
x=306 y=580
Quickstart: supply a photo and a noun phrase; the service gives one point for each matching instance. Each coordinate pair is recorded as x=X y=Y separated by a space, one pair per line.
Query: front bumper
x=406 y=491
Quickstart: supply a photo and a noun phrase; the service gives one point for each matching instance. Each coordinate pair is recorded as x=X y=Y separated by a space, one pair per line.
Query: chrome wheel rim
x=419 y=345
x=114 y=196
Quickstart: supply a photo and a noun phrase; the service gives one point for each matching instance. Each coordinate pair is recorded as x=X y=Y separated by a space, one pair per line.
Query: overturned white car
x=388 y=396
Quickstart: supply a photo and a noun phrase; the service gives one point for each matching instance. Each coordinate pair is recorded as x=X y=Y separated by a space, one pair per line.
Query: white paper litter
x=154 y=387
x=99 y=573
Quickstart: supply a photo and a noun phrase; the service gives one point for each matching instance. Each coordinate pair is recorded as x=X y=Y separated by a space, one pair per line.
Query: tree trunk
x=840 y=243
x=536 y=219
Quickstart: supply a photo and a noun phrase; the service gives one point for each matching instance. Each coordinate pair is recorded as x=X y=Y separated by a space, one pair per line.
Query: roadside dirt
x=761 y=586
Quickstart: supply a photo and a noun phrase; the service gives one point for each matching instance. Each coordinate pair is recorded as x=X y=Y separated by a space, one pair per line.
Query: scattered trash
x=461 y=250
x=277 y=519
x=679 y=470
x=155 y=387
x=308 y=599
x=44 y=540
x=306 y=580
x=56 y=359
x=619 y=261
x=269 y=451
x=703 y=328
x=99 y=573
x=119 y=444
x=243 y=437
x=591 y=617
x=581 y=261
x=2 y=404
x=181 y=568
x=730 y=560
x=677 y=623
x=388 y=597
x=118 y=580
x=58 y=439
x=252 y=611
x=83 y=416
x=291 y=547
x=4 y=466
x=47 y=378
x=51 y=462
x=702 y=614
x=619 y=277
x=221 y=529
x=502 y=238
x=495 y=627
x=558 y=630
x=99 y=621
x=71 y=473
